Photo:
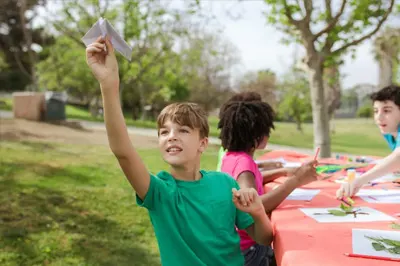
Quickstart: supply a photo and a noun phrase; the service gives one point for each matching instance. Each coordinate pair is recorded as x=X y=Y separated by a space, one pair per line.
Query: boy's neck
x=395 y=134
x=186 y=173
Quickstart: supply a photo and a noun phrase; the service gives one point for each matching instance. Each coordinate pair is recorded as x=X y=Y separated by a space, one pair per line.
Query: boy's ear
x=203 y=144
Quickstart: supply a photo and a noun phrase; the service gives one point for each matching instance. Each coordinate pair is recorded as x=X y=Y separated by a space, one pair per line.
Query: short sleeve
x=157 y=188
x=243 y=219
x=244 y=164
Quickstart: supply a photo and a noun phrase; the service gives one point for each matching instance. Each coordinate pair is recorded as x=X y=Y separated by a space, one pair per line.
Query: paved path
x=153 y=132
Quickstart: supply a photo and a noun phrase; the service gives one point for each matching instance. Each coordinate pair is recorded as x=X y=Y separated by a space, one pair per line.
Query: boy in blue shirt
x=387 y=118
x=194 y=212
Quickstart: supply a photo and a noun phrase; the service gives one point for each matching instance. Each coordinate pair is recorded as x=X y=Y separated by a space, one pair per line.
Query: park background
x=64 y=200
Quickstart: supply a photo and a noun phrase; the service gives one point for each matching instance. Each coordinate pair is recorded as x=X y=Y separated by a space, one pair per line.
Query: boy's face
x=180 y=145
x=387 y=116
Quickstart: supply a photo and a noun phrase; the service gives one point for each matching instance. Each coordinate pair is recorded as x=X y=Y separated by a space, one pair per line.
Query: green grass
x=354 y=136
x=5 y=104
x=71 y=205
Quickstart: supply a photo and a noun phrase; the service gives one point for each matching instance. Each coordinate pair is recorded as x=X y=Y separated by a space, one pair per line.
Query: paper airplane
x=102 y=28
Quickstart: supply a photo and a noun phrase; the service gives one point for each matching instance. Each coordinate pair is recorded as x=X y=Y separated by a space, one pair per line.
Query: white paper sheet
x=373 y=215
x=102 y=28
x=283 y=161
x=292 y=164
x=386 y=178
x=303 y=194
x=380 y=195
x=363 y=245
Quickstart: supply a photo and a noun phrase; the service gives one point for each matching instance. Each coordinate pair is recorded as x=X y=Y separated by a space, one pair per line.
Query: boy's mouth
x=174 y=149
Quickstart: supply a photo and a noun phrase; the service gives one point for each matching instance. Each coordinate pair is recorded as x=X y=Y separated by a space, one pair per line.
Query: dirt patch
x=70 y=133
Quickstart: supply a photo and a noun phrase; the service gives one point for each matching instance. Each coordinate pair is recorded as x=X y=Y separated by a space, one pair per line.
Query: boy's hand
x=306 y=173
x=349 y=189
x=247 y=200
x=101 y=59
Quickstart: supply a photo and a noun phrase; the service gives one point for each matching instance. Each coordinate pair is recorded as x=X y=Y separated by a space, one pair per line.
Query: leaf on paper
x=337 y=212
x=378 y=247
x=388 y=245
x=346 y=208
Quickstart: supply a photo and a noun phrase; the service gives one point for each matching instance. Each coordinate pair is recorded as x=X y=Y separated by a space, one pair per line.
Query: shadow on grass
x=76 y=175
x=30 y=214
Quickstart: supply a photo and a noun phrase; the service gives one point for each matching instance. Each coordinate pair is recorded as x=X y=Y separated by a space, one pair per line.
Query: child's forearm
x=117 y=133
x=271 y=175
x=389 y=164
x=273 y=198
x=263 y=232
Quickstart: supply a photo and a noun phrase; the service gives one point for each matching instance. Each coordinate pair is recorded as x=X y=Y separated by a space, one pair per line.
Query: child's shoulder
x=216 y=175
x=163 y=175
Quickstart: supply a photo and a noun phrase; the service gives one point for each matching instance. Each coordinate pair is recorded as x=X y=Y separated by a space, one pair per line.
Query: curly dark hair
x=244 y=125
x=389 y=93
x=246 y=96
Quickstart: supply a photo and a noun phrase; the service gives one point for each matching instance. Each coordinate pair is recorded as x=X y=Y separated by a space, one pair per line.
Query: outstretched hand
x=306 y=173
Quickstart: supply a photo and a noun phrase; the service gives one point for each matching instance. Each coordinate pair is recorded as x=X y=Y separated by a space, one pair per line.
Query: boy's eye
x=163 y=132
x=183 y=130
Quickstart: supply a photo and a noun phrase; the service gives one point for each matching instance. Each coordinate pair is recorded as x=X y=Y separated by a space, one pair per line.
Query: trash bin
x=55 y=105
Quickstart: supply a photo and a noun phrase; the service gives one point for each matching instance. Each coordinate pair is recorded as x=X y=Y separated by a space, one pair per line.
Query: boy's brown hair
x=185 y=114
x=389 y=93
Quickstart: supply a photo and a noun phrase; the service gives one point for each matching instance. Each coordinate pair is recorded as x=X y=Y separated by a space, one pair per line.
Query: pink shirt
x=235 y=163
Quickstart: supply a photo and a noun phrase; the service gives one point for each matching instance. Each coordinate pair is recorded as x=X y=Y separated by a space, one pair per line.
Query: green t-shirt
x=221 y=154
x=194 y=221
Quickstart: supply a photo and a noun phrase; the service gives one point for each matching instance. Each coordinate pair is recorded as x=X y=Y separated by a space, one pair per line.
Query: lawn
x=71 y=205
x=354 y=136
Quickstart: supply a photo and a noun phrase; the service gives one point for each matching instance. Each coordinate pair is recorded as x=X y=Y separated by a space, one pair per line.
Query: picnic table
x=301 y=240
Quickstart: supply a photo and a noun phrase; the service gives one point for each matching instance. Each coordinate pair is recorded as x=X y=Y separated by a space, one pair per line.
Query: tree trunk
x=385 y=70
x=298 y=126
x=319 y=109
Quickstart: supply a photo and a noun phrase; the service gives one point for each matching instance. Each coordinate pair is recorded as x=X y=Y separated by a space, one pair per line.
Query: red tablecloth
x=302 y=241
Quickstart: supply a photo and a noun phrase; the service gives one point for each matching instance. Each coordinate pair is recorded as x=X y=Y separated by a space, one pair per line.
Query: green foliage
x=65 y=69
x=337 y=212
x=286 y=15
x=3 y=63
x=296 y=102
x=365 y=111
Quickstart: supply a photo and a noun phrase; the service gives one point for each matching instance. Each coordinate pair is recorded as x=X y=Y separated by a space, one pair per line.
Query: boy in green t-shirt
x=194 y=212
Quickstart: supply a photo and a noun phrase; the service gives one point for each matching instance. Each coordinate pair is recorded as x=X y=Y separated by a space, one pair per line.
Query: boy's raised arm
x=104 y=66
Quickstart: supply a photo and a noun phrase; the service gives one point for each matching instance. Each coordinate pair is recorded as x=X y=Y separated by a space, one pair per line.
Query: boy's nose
x=172 y=135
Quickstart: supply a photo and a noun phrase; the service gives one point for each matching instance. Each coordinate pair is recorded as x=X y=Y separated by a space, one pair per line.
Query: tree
x=17 y=41
x=387 y=53
x=295 y=98
x=208 y=61
x=264 y=82
x=326 y=32
x=65 y=69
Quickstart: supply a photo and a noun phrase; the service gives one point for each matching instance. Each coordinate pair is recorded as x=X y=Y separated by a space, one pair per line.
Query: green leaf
x=337 y=212
x=395 y=226
x=395 y=250
x=377 y=246
x=346 y=208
